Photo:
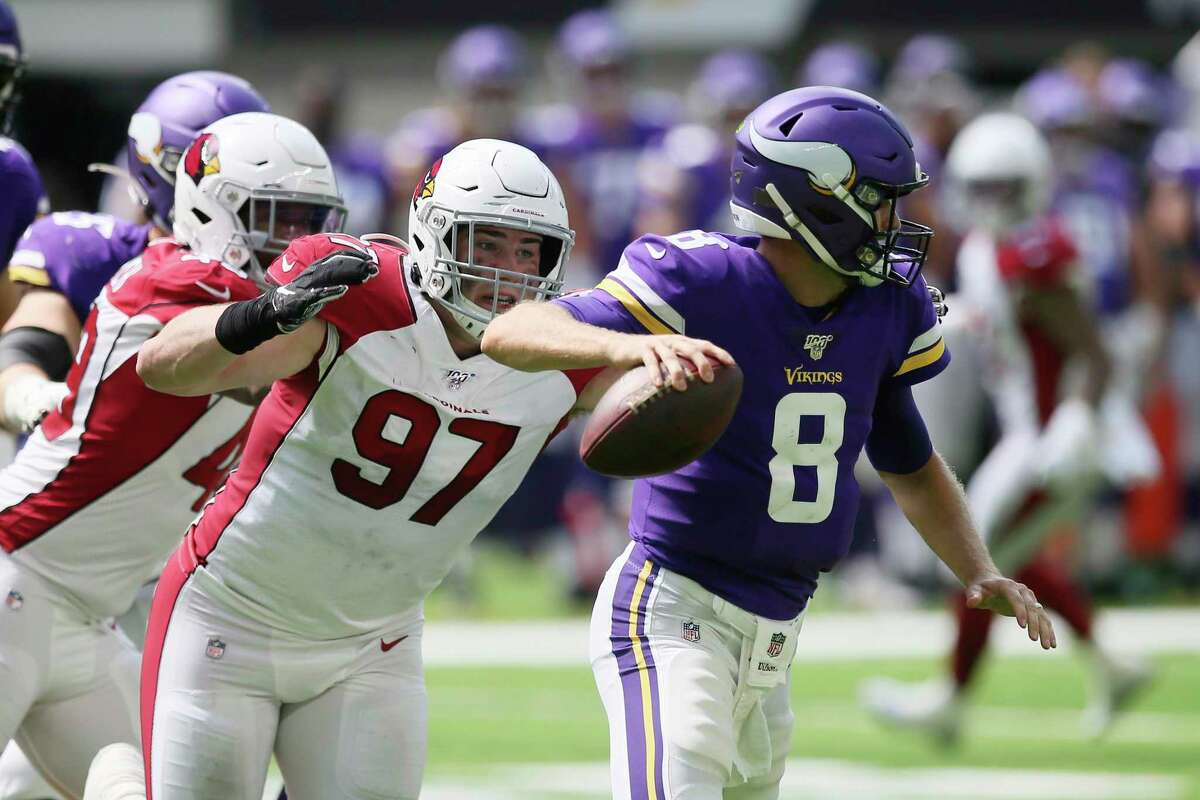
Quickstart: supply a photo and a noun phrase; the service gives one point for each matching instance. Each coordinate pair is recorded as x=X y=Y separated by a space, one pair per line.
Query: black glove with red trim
x=282 y=309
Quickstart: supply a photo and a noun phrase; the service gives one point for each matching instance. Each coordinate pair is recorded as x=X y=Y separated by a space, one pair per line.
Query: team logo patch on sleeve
x=201 y=159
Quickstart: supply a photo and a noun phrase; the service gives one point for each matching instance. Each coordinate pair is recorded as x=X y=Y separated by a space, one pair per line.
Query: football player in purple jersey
x=685 y=176
x=63 y=260
x=595 y=144
x=23 y=198
x=695 y=628
x=482 y=75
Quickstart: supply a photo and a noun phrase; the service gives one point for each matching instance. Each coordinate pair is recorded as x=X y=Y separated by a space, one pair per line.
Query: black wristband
x=244 y=326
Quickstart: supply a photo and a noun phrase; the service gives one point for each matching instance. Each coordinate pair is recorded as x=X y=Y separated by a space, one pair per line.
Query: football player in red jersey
x=290 y=618
x=1020 y=294
x=94 y=502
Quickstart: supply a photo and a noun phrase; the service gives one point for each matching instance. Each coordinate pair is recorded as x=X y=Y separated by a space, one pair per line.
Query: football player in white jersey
x=94 y=503
x=290 y=618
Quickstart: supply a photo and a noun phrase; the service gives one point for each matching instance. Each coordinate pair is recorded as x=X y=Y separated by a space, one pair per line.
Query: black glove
x=244 y=326
x=939 y=301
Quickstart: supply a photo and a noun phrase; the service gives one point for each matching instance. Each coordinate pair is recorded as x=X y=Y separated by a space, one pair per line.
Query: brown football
x=640 y=429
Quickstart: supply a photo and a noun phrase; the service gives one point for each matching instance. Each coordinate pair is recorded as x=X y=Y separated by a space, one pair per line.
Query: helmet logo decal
x=201 y=159
x=146 y=131
x=425 y=187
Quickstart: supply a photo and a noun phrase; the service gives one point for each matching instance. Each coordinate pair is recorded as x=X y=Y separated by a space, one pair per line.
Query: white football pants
x=69 y=683
x=221 y=690
x=696 y=689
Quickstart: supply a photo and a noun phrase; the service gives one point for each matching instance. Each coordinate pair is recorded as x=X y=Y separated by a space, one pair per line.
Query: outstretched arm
x=934 y=502
x=254 y=342
x=537 y=336
x=187 y=359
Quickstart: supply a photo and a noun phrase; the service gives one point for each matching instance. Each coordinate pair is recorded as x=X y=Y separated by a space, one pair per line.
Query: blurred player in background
x=93 y=503
x=386 y=444
x=23 y=198
x=63 y=261
x=1019 y=288
x=483 y=75
x=685 y=176
x=596 y=144
x=843 y=63
x=695 y=629
x=358 y=156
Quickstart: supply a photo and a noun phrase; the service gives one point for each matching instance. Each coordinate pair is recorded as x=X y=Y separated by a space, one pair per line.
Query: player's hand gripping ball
x=639 y=429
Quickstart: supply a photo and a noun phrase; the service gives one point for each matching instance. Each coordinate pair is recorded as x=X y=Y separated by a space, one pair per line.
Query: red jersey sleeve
x=1040 y=256
x=384 y=302
x=167 y=279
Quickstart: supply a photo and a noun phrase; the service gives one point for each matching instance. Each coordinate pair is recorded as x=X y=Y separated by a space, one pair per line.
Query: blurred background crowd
x=633 y=104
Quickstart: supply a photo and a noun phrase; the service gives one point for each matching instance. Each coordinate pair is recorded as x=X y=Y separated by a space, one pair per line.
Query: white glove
x=27 y=399
x=1068 y=448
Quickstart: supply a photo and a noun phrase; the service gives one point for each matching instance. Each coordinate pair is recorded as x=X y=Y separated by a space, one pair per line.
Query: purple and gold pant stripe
x=639 y=679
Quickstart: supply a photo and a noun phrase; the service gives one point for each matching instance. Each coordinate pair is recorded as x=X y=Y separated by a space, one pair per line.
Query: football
x=640 y=429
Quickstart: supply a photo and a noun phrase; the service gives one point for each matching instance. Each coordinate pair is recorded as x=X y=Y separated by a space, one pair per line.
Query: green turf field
x=499 y=733
x=539 y=733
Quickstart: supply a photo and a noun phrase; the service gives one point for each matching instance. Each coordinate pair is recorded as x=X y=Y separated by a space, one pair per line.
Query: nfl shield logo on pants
x=776 y=645
x=215 y=649
x=691 y=631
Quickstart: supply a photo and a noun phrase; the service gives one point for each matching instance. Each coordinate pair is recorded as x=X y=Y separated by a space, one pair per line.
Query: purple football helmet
x=486 y=56
x=593 y=40
x=843 y=64
x=930 y=54
x=167 y=121
x=1133 y=92
x=1054 y=99
x=732 y=80
x=12 y=65
x=814 y=165
x=1175 y=156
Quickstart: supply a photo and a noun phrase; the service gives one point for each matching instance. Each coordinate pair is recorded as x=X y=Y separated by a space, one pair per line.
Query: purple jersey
x=601 y=166
x=75 y=253
x=772 y=504
x=23 y=197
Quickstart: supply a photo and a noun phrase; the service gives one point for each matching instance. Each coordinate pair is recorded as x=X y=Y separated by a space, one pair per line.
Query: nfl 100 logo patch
x=776 y=645
x=815 y=344
x=215 y=649
x=455 y=378
x=691 y=631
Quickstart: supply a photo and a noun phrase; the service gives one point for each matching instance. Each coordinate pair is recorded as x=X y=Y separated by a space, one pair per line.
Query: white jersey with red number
x=366 y=473
x=107 y=484
x=1024 y=367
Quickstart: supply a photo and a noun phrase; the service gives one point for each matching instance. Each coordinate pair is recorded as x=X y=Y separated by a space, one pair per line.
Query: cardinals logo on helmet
x=425 y=187
x=201 y=158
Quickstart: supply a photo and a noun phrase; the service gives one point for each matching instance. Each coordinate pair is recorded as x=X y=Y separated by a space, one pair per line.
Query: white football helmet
x=998 y=173
x=249 y=184
x=485 y=182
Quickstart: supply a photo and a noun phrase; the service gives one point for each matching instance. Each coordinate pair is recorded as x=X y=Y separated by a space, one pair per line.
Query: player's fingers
x=719 y=353
x=674 y=369
x=1020 y=610
x=650 y=359
x=974 y=596
x=1049 y=638
x=699 y=359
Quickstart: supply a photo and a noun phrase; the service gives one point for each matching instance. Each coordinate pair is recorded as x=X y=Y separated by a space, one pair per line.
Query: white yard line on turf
x=813 y=779
x=826 y=637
